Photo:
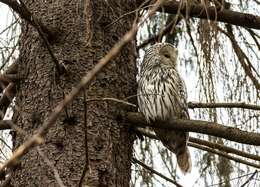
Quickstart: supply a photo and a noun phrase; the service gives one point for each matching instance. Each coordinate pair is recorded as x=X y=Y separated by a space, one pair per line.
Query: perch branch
x=199 y=126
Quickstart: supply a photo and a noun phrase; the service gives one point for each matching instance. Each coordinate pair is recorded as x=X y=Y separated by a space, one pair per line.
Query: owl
x=162 y=96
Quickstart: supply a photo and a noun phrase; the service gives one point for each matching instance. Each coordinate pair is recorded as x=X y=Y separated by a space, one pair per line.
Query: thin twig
x=249 y=179
x=156 y=172
x=112 y=99
x=142 y=6
x=193 y=105
x=239 y=177
x=54 y=169
x=165 y=31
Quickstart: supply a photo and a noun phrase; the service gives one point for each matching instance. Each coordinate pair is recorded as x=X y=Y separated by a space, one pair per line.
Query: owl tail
x=184 y=160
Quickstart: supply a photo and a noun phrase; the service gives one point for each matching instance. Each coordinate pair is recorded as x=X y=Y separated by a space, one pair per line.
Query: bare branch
x=7 y=98
x=199 y=126
x=243 y=59
x=236 y=159
x=169 y=28
x=205 y=143
x=254 y=36
x=193 y=105
x=224 y=148
x=211 y=147
x=12 y=69
x=155 y=172
x=112 y=99
x=213 y=13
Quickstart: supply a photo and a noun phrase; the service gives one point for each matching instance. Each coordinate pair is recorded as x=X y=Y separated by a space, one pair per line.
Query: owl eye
x=166 y=56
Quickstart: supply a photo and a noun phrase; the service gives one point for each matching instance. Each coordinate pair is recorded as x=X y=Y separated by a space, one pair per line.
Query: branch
x=254 y=36
x=209 y=144
x=166 y=30
x=54 y=169
x=193 y=105
x=155 y=172
x=13 y=68
x=209 y=148
x=199 y=126
x=212 y=13
x=225 y=155
x=224 y=148
x=7 y=97
x=243 y=59
x=5 y=124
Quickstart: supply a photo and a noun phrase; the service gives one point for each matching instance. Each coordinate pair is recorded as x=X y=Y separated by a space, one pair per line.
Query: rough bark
x=80 y=44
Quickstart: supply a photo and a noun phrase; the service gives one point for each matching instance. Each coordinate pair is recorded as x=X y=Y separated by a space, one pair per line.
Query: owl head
x=163 y=53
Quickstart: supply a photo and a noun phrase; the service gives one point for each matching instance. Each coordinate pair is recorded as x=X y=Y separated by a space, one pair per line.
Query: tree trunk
x=82 y=39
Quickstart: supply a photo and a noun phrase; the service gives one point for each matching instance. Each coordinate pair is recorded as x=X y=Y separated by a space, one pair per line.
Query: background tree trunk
x=82 y=40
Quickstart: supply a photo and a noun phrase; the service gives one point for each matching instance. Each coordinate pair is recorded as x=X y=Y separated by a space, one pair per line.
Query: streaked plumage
x=162 y=96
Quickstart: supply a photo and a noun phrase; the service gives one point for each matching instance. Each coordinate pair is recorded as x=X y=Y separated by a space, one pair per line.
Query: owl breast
x=158 y=94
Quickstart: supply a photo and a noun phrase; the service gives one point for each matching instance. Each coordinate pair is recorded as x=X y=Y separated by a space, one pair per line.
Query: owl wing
x=183 y=99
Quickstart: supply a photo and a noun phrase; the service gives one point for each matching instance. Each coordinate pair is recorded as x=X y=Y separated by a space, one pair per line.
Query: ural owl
x=162 y=96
